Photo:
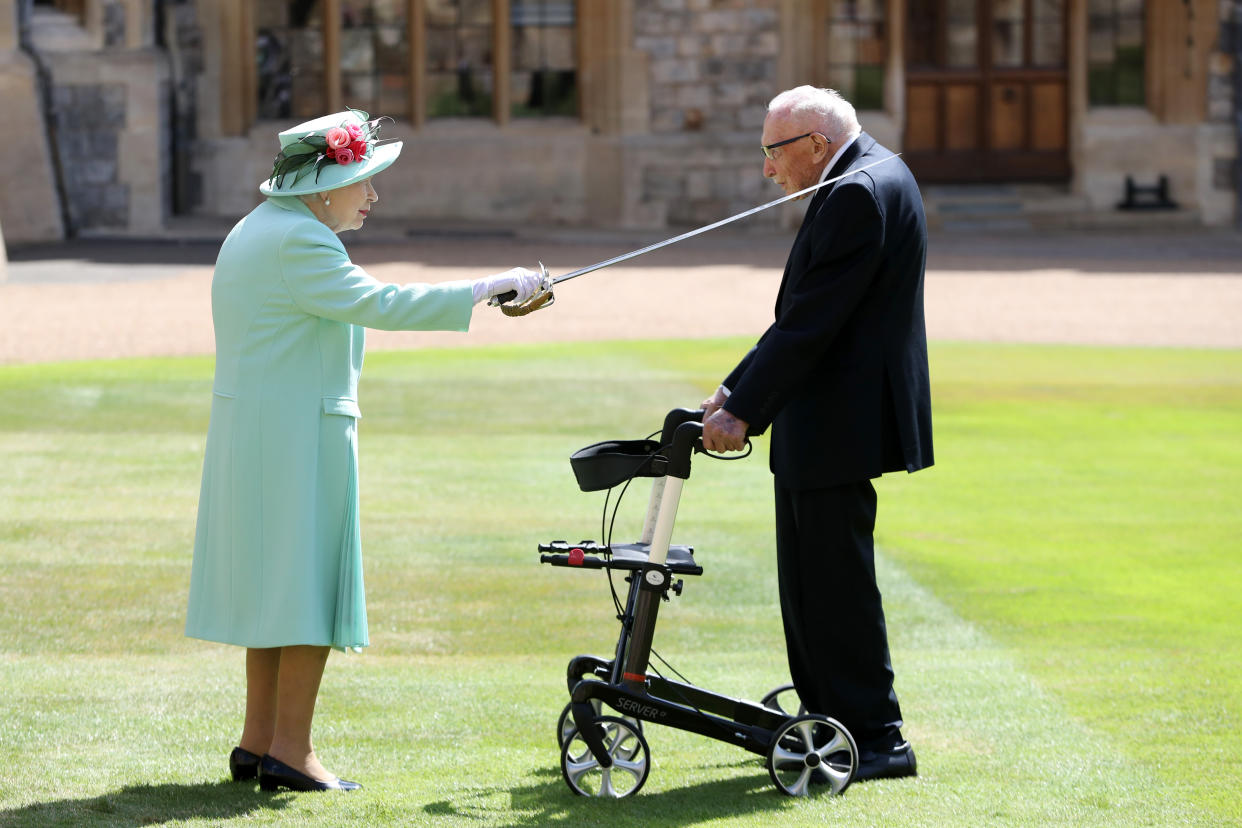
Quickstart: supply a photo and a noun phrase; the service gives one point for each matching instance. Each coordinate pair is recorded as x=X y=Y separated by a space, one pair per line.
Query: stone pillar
x=615 y=105
x=895 y=66
x=1076 y=86
x=29 y=204
x=796 y=62
x=9 y=25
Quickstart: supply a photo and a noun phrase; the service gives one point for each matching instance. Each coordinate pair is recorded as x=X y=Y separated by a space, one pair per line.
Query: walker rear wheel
x=630 y=761
x=812 y=752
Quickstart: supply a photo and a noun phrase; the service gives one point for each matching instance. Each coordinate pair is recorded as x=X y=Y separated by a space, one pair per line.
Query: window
x=855 y=51
x=289 y=59
x=1115 y=53
x=375 y=55
x=416 y=59
x=942 y=35
x=1048 y=33
x=999 y=34
x=1028 y=33
x=459 y=58
x=544 y=79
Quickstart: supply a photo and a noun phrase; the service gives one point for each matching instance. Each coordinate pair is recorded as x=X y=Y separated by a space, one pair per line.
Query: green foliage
x=451 y=103
x=868 y=90
x=1061 y=595
x=1119 y=82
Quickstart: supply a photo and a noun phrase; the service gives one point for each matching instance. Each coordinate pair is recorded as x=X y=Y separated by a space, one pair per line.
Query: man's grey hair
x=824 y=110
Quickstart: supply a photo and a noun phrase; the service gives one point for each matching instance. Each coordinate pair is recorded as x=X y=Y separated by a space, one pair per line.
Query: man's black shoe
x=891 y=763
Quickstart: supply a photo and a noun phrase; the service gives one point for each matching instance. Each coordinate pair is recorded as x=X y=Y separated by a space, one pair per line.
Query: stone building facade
x=642 y=114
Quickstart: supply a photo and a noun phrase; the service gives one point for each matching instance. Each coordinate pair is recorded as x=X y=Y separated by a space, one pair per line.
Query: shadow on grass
x=149 y=805
x=550 y=802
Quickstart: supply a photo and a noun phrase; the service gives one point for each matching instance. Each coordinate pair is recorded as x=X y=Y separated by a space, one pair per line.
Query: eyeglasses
x=767 y=148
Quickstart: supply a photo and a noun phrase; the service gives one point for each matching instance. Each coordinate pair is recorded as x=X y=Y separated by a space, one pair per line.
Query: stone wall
x=139 y=105
x=90 y=118
x=29 y=202
x=98 y=88
x=111 y=125
x=713 y=67
x=712 y=62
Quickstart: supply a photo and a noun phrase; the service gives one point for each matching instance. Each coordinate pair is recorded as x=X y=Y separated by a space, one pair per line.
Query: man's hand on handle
x=723 y=432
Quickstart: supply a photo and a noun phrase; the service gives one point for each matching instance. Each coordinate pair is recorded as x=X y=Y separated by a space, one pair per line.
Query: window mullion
x=502 y=61
x=416 y=20
x=332 y=54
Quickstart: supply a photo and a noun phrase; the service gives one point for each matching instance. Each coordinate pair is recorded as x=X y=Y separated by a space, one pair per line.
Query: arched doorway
x=986 y=92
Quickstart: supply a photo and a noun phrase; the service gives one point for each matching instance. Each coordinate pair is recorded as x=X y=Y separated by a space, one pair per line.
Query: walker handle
x=687 y=439
x=675 y=418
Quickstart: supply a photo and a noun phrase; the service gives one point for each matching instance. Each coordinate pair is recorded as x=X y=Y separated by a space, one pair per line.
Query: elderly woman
x=277 y=552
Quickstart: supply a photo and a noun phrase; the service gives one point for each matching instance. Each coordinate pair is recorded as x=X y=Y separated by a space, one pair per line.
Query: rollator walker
x=604 y=753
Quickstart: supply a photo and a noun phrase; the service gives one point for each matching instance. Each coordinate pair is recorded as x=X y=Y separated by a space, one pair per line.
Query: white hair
x=824 y=109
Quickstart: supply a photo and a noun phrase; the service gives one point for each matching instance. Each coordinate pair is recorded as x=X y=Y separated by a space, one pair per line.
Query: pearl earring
x=327 y=201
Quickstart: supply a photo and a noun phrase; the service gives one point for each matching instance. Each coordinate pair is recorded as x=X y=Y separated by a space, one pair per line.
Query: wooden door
x=986 y=90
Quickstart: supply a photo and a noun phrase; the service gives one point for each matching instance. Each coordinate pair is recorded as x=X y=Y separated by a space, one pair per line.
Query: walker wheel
x=630 y=761
x=784 y=699
x=812 y=752
x=565 y=725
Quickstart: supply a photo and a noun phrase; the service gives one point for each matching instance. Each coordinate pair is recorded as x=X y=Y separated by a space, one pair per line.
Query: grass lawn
x=1062 y=593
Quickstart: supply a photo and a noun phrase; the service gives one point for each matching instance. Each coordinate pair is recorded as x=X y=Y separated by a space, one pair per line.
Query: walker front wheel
x=565 y=725
x=812 y=752
x=630 y=761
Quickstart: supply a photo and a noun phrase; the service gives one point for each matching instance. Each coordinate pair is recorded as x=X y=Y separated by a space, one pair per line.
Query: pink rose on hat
x=337 y=138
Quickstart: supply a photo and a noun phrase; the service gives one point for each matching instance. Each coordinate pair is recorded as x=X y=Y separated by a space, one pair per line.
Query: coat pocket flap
x=341 y=405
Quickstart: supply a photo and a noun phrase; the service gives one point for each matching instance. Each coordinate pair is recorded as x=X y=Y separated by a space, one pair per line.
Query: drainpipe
x=44 y=79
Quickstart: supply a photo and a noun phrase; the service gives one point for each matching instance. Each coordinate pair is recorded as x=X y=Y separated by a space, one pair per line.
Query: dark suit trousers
x=834 y=621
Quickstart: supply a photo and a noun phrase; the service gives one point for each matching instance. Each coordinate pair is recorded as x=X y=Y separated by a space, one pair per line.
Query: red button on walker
x=575 y=556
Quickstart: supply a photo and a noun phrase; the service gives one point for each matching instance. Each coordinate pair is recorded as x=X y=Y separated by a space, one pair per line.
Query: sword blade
x=633 y=254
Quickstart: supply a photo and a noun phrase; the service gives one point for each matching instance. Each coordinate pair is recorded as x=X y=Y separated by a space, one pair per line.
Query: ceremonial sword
x=544 y=296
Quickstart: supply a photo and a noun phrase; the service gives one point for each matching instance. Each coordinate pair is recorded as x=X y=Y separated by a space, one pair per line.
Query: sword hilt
x=542 y=298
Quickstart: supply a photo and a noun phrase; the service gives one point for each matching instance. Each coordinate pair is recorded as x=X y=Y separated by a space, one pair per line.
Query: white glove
x=525 y=283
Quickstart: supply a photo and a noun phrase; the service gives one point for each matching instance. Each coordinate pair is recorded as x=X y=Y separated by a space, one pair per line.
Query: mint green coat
x=277 y=551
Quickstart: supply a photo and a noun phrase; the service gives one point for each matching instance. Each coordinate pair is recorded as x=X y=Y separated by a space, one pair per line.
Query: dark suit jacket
x=841 y=375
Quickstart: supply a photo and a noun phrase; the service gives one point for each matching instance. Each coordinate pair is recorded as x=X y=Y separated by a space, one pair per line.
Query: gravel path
x=93 y=299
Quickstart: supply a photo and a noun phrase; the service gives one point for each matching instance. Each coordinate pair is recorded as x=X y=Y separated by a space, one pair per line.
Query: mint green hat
x=327 y=153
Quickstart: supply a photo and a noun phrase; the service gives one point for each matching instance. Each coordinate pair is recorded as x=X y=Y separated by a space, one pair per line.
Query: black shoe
x=243 y=764
x=275 y=774
x=886 y=763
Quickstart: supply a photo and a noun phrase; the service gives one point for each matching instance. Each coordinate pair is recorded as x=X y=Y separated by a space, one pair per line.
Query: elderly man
x=841 y=376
